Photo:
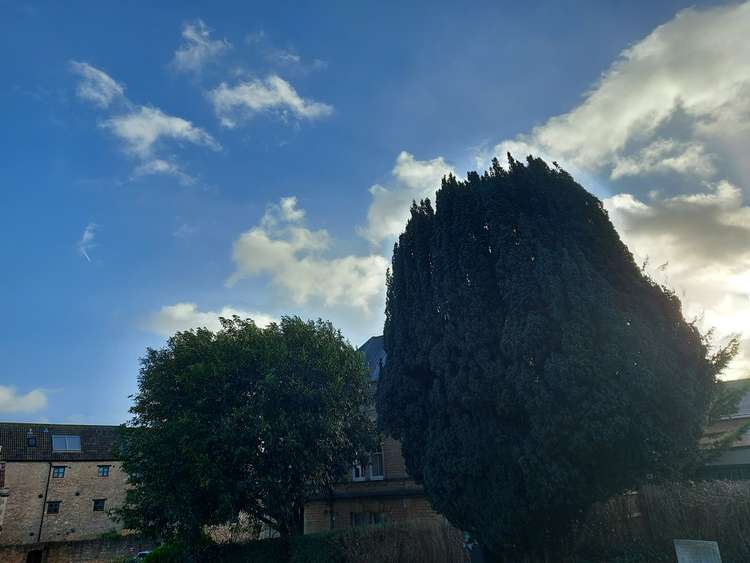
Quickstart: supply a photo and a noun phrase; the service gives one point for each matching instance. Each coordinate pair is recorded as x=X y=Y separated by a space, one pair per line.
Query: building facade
x=58 y=482
x=734 y=462
x=380 y=491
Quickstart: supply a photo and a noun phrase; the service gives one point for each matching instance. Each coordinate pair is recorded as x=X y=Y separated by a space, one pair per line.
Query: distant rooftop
x=24 y=441
x=743 y=408
x=374 y=352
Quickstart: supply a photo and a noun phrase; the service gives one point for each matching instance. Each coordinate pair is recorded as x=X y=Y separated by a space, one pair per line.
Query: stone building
x=58 y=482
x=381 y=491
x=734 y=462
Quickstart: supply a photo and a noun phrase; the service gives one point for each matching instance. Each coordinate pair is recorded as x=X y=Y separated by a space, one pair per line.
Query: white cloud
x=389 y=209
x=668 y=103
x=184 y=316
x=146 y=126
x=11 y=402
x=294 y=257
x=272 y=94
x=95 y=85
x=159 y=166
x=86 y=243
x=142 y=129
x=198 y=48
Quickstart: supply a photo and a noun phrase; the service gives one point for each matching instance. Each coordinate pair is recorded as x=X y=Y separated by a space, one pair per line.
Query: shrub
x=648 y=522
x=165 y=553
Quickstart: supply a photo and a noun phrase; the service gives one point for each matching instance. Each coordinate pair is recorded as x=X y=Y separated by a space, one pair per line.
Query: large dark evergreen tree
x=533 y=368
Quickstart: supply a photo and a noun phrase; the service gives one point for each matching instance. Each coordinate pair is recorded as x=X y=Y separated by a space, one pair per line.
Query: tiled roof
x=97 y=442
x=374 y=353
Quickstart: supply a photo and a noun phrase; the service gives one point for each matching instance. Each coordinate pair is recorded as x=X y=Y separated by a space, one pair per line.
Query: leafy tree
x=246 y=419
x=533 y=369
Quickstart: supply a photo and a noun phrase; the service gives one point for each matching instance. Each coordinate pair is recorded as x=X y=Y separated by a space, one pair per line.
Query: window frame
x=103 y=504
x=362 y=473
x=102 y=471
x=56 y=504
x=58 y=471
x=68 y=448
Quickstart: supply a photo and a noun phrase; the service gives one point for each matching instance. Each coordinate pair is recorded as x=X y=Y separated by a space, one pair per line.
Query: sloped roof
x=743 y=408
x=374 y=352
x=97 y=442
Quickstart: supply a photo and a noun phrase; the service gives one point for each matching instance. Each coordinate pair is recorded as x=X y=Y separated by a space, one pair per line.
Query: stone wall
x=26 y=483
x=91 y=551
x=395 y=498
x=321 y=516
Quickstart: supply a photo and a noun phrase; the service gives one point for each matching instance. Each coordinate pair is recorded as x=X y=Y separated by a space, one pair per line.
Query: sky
x=162 y=164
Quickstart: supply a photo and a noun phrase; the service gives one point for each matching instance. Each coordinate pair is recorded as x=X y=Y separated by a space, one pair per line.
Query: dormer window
x=30 y=439
x=373 y=470
x=66 y=443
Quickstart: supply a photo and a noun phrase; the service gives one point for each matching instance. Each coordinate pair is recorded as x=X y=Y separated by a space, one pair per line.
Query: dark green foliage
x=245 y=419
x=317 y=548
x=533 y=368
x=312 y=548
x=166 y=553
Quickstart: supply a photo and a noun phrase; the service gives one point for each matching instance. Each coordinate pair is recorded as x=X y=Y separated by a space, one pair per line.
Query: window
x=358 y=519
x=2 y=475
x=103 y=470
x=53 y=507
x=373 y=470
x=99 y=504
x=30 y=439
x=66 y=443
x=376 y=465
x=358 y=472
x=58 y=471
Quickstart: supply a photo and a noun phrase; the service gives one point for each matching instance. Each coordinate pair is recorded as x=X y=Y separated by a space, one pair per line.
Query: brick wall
x=76 y=491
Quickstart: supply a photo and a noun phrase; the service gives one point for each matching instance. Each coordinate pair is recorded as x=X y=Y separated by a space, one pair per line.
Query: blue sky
x=165 y=164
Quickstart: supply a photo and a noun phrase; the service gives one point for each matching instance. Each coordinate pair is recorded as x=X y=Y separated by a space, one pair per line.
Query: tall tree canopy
x=533 y=368
x=245 y=419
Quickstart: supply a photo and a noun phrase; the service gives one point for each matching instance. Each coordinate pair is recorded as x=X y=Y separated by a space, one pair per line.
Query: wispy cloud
x=287 y=58
x=96 y=86
x=198 y=49
x=144 y=127
x=144 y=131
x=86 y=243
x=11 y=402
x=242 y=101
x=158 y=166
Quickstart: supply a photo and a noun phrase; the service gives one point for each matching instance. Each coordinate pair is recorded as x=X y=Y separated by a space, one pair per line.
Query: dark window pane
x=99 y=504
x=53 y=507
x=66 y=443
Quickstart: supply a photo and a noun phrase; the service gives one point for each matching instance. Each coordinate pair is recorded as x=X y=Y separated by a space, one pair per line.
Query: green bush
x=317 y=548
x=165 y=553
x=261 y=551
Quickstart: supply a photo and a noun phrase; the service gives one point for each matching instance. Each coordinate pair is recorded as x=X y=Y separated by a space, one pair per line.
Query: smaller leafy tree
x=244 y=420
